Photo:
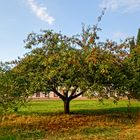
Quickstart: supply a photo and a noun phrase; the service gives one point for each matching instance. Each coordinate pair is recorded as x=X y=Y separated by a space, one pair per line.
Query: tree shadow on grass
x=95 y=112
x=122 y=115
x=105 y=111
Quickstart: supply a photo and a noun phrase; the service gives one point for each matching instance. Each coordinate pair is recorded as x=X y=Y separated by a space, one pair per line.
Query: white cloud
x=123 y=5
x=40 y=11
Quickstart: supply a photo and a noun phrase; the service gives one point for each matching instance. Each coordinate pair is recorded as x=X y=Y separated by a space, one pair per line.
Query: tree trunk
x=66 y=106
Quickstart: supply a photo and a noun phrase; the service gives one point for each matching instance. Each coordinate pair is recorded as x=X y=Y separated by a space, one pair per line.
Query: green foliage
x=132 y=45
x=132 y=71
x=138 y=37
x=13 y=90
x=61 y=61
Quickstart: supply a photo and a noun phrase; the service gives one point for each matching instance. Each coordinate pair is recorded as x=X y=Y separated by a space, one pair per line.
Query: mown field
x=89 y=120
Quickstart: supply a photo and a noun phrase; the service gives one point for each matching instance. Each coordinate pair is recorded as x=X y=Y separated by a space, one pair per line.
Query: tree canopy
x=71 y=66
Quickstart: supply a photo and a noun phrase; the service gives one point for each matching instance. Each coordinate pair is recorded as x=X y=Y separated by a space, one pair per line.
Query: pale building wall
x=49 y=95
x=43 y=95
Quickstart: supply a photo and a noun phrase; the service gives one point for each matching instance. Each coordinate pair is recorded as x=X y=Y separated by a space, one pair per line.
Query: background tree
x=138 y=37
x=132 y=44
x=13 y=89
x=132 y=68
x=132 y=71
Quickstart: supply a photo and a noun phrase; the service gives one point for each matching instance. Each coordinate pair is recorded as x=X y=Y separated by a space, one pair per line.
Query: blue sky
x=20 y=17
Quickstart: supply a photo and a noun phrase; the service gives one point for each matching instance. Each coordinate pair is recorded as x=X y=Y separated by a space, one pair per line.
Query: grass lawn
x=89 y=119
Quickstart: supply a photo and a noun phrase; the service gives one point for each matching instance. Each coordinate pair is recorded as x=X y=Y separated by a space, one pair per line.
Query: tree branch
x=73 y=91
x=58 y=94
x=75 y=96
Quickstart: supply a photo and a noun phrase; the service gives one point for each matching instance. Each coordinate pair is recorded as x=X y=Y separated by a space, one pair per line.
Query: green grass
x=79 y=106
x=89 y=119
